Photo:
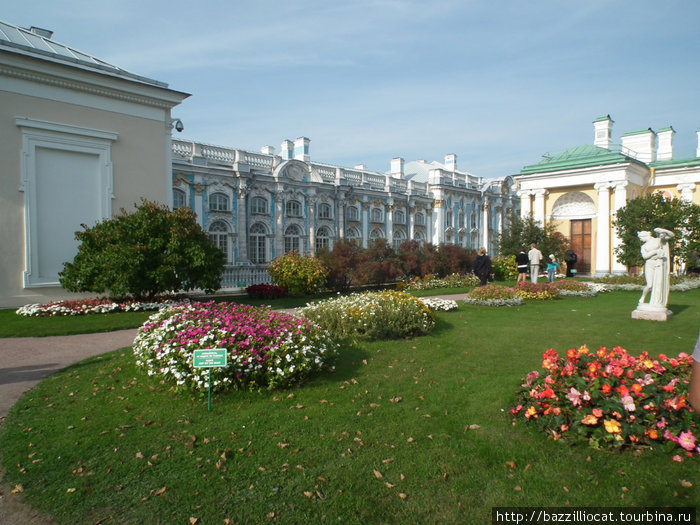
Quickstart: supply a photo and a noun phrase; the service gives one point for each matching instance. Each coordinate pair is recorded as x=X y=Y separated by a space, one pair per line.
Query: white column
x=620 y=201
x=390 y=222
x=278 y=224
x=365 y=224
x=312 y=225
x=485 y=224
x=525 y=203
x=242 y=226
x=411 y=222
x=340 y=228
x=602 y=257
x=438 y=223
x=538 y=212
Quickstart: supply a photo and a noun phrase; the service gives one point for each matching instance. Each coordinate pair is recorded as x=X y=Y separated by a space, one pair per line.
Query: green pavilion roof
x=579 y=157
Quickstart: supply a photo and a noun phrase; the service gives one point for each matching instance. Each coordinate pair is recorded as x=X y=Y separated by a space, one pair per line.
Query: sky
x=499 y=83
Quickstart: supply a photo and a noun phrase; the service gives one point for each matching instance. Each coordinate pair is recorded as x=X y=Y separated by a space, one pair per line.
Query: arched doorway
x=579 y=209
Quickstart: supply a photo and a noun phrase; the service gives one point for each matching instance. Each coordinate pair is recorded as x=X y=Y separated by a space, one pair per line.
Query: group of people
x=482 y=265
x=534 y=258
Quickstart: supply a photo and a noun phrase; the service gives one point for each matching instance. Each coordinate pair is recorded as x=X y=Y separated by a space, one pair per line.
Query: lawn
x=411 y=431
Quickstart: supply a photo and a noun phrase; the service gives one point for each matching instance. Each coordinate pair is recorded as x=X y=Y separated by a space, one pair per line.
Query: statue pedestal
x=652 y=313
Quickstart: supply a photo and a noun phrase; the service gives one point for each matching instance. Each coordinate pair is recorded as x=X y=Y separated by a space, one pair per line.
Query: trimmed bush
x=266 y=349
x=372 y=315
x=297 y=274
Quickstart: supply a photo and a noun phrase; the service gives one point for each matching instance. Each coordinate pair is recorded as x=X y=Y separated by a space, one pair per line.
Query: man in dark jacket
x=482 y=266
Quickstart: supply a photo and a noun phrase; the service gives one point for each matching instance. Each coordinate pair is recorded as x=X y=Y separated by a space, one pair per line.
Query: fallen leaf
x=686 y=484
x=70 y=490
x=160 y=492
x=402 y=495
x=517 y=488
x=377 y=474
x=17 y=489
x=389 y=485
x=139 y=455
x=193 y=521
x=308 y=494
x=385 y=461
x=283 y=445
x=511 y=464
x=565 y=489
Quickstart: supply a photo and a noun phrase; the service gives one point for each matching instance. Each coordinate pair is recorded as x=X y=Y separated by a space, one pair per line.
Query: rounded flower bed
x=493 y=295
x=88 y=306
x=611 y=399
x=372 y=315
x=574 y=287
x=430 y=282
x=537 y=292
x=266 y=349
x=437 y=304
x=265 y=291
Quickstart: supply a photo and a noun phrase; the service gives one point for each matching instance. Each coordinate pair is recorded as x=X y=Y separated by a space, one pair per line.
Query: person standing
x=570 y=259
x=552 y=266
x=482 y=266
x=535 y=258
x=521 y=260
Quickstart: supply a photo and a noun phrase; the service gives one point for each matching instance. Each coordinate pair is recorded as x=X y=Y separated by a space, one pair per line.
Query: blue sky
x=499 y=83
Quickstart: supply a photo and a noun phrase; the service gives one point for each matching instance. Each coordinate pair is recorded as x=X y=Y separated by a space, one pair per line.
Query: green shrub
x=151 y=251
x=298 y=275
x=372 y=315
x=504 y=268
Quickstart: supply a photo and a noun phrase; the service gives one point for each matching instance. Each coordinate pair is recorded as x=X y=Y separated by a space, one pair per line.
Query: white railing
x=183 y=149
x=243 y=276
x=258 y=160
x=218 y=154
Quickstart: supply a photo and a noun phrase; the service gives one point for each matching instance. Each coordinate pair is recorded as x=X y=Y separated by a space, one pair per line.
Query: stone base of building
x=648 y=314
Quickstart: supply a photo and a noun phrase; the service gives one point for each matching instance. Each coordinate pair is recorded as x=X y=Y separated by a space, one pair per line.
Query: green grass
x=102 y=440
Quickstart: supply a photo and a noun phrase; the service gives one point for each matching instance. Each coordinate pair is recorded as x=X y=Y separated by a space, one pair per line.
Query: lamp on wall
x=179 y=126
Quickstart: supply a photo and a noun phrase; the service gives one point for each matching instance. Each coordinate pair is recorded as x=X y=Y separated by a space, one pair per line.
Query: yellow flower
x=612 y=426
x=590 y=419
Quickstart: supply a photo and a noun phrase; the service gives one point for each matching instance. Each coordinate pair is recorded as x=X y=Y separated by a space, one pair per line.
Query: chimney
x=451 y=162
x=603 y=131
x=267 y=150
x=41 y=32
x=397 y=168
x=642 y=144
x=287 y=150
x=665 y=149
x=301 y=149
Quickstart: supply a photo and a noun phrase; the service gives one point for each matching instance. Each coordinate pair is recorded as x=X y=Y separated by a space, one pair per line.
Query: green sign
x=210 y=357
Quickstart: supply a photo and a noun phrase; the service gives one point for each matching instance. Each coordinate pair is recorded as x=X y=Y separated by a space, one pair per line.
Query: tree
x=145 y=253
x=653 y=211
x=521 y=233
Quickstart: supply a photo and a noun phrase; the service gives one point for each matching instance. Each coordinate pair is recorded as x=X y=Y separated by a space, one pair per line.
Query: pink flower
x=574 y=396
x=678 y=458
x=628 y=403
x=687 y=440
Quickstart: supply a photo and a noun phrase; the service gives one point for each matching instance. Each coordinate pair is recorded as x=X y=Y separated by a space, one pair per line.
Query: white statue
x=655 y=252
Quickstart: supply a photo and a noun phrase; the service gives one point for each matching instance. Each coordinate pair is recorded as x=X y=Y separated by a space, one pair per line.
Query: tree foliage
x=145 y=253
x=653 y=211
x=521 y=233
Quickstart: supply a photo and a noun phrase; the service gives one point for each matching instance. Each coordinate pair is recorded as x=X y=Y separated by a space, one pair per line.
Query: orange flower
x=653 y=434
x=597 y=412
x=532 y=411
x=612 y=426
x=590 y=419
x=606 y=388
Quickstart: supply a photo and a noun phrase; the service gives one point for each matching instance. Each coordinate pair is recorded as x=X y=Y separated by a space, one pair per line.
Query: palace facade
x=258 y=205
x=580 y=190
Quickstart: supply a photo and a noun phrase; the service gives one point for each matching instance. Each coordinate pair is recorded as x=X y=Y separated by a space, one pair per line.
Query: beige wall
x=140 y=169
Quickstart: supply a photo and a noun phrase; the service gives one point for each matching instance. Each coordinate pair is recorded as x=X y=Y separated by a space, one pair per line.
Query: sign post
x=209 y=358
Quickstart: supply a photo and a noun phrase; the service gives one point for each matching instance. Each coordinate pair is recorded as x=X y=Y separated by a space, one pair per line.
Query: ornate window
x=448 y=219
x=419 y=219
x=218 y=233
x=325 y=211
x=291 y=238
x=399 y=217
x=258 y=243
x=353 y=235
x=179 y=199
x=399 y=237
x=376 y=233
x=323 y=238
x=460 y=220
x=293 y=209
x=353 y=213
x=419 y=236
x=259 y=206
x=218 y=202
x=377 y=215
x=573 y=205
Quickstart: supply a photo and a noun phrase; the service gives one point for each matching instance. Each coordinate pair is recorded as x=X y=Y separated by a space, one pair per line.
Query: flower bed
x=265 y=291
x=537 y=292
x=266 y=349
x=372 y=315
x=430 y=282
x=493 y=295
x=611 y=399
x=88 y=306
x=574 y=287
x=437 y=304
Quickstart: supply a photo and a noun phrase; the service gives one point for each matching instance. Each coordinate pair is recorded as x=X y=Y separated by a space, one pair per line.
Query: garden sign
x=209 y=358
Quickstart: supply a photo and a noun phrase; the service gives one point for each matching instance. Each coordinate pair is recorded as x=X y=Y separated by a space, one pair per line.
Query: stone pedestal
x=651 y=313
